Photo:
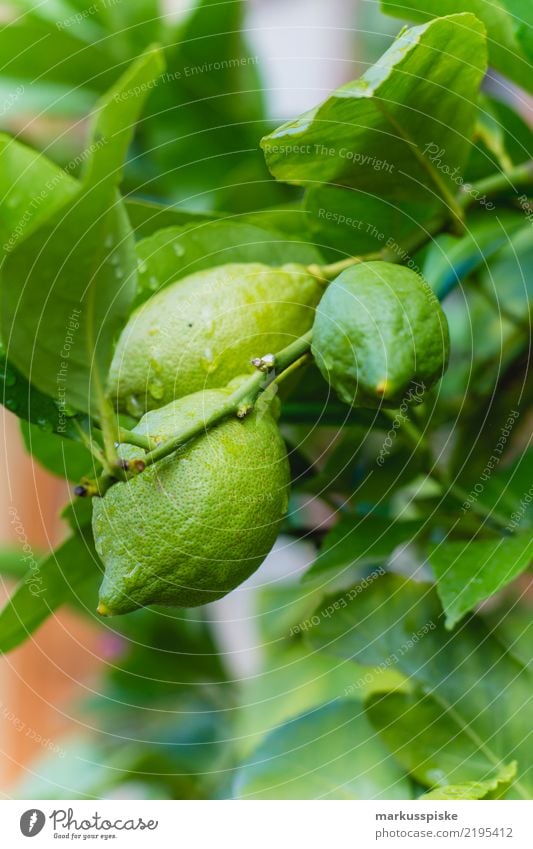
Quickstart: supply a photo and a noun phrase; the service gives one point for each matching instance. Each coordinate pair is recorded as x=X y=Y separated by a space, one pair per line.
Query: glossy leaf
x=355 y=221
x=470 y=714
x=62 y=308
x=504 y=19
x=379 y=134
x=469 y=572
x=328 y=753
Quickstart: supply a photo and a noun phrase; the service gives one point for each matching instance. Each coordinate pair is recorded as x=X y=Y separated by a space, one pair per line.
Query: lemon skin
x=202 y=330
x=194 y=525
x=380 y=335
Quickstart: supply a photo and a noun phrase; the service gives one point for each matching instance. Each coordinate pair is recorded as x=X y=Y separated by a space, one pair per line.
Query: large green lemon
x=194 y=525
x=380 y=335
x=204 y=329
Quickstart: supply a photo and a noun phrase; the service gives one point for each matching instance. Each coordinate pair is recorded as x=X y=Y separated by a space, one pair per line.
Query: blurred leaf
x=473 y=789
x=12 y=563
x=295 y=680
x=449 y=260
x=367 y=134
x=199 y=139
x=501 y=18
x=62 y=457
x=76 y=768
x=61 y=313
x=471 y=715
x=360 y=540
x=177 y=252
x=329 y=753
x=471 y=571
x=508 y=277
x=518 y=135
x=34 y=49
x=57 y=579
x=78 y=513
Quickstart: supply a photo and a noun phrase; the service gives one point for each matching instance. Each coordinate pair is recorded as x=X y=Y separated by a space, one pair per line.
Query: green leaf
x=60 y=578
x=355 y=221
x=36 y=50
x=12 y=563
x=360 y=540
x=502 y=18
x=328 y=753
x=381 y=134
x=518 y=135
x=68 y=288
x=471 y=571
x=32 y=190
x=449 y=260
x=470 y=714
x=474 y=789
x=205 y=117
x=114 y=118
x=147 y=217
x=293 y=681
x=62 y=457
x=177 y=252
x=26 y=402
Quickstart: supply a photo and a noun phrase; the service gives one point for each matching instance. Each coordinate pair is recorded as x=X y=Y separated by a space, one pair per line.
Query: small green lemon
x=194 y=525
x=202 y=330
x=379 y=333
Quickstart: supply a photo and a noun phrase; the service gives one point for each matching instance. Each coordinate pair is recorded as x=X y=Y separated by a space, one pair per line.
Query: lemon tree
x=220 y=331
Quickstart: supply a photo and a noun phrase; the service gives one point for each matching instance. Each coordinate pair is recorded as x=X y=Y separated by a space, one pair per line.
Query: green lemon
x=379 y=335
x=194 y=525
x=202 y=330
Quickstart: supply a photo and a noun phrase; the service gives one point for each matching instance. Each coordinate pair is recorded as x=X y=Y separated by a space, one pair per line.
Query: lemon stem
x=239 y=403
x=91 y=445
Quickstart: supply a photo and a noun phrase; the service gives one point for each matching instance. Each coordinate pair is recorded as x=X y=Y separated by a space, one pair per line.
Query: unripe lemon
x=194 y=525
x=379 y=335
x=202 y=330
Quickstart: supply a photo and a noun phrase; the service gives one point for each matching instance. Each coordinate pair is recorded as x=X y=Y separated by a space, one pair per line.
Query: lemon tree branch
x=239 y=403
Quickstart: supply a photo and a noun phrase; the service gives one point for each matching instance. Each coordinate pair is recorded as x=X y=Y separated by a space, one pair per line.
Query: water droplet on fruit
x=209 y=362
x=156 y=388
x=133 y=407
